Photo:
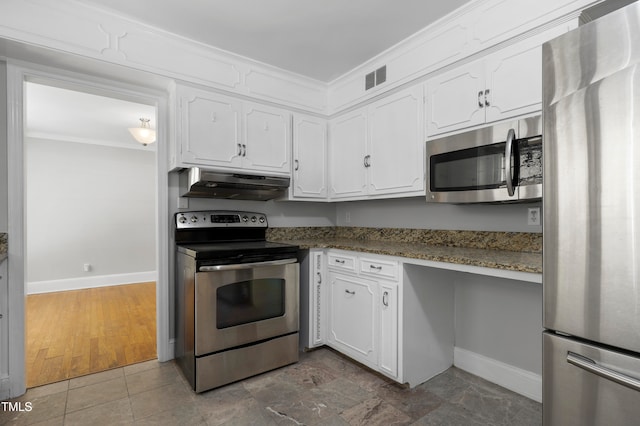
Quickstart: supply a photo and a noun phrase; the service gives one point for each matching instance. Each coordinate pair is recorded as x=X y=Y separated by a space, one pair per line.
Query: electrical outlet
x=533 y=216
x=86 y=267
x=347 y=217
x=183 y=203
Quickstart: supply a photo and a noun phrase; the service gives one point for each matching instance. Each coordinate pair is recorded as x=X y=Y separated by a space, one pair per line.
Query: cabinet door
x=388 y=303
x=309 y=157
x=353 y=317
x=455 y=99
x=514 y=82
x=210 y=126
x=347 y=149
x=396 y=141
x=318 y=306
x=267 y=134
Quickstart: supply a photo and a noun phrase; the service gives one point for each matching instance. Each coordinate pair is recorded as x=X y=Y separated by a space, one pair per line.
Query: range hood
x=202 y=183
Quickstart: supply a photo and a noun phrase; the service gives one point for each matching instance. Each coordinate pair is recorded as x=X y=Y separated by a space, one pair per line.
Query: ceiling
x=67 y=115
x=321 y=39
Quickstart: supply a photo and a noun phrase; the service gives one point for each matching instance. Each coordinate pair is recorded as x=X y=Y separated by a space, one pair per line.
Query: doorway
x=90 y=234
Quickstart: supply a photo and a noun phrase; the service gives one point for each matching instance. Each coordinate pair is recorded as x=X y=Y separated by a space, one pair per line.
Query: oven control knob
x=182 y=219
x=194 y=219
x=245 y=218
x=253 y=219
x=262 y=219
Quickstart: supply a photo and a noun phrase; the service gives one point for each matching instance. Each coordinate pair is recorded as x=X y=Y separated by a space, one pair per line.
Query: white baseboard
x=35 y=287
x=513 y=378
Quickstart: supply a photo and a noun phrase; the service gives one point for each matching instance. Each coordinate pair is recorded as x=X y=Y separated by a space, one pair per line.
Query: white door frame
x=17 y=74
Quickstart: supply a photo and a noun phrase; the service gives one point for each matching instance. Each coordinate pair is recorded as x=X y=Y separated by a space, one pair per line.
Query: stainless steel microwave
x=501 y=163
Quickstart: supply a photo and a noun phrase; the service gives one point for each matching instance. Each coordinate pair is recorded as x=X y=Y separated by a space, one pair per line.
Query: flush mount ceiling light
x=143 y=134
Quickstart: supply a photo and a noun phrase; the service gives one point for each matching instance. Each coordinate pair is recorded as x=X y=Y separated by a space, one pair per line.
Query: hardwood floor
x=74 y=333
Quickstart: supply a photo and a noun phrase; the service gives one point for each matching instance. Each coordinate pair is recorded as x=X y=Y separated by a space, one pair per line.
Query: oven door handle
x=236 y=266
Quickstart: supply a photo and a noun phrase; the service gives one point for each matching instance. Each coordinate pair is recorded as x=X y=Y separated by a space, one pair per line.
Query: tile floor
x=324 y=388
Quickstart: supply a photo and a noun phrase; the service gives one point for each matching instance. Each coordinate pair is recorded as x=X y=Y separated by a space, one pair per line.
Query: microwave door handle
x=511 y=136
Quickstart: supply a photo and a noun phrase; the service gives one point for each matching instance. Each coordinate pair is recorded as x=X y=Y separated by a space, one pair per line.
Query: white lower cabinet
x=388 y=350
x=353 y=315
x=363 y=310
x=394 y=317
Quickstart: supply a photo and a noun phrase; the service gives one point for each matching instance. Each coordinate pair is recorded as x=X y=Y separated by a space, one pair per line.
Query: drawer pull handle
x=385 y=298
x=340 y=261
x=350 y=292
x=319 y=278
x=377 y=268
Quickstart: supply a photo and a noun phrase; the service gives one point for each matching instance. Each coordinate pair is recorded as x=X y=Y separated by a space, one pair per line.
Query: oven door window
x=249 y=301
x=468 y=169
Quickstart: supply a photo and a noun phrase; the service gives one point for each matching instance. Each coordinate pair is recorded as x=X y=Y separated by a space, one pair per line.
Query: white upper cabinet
x=505 y=84
x=222 y=132
x=309 y=157
x=396 y=139
x=378 y=149
x=210 y=125
x=347 y=151
x=268 y=138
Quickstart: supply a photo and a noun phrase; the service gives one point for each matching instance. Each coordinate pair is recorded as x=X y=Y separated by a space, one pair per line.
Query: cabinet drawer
x=342 y=262
x=379 y=268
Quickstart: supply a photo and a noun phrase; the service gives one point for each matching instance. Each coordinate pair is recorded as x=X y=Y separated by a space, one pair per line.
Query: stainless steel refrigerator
x=591 y=278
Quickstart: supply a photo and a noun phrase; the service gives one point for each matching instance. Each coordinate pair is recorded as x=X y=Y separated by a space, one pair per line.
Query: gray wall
x=88 y=204
x=500 y=319
x=4 y=202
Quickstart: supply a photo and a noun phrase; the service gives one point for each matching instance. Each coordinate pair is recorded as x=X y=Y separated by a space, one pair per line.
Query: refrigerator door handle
x=511 y=136
x=604 y=372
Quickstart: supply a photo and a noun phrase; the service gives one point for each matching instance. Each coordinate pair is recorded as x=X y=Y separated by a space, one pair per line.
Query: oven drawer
x=342 y=262
x=379 y=268
x=245 y=304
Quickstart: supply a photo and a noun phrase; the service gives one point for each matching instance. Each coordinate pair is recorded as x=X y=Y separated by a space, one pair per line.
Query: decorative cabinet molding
x=310 y=179
x=219 y=131
x=81 y=29
x=378 y=150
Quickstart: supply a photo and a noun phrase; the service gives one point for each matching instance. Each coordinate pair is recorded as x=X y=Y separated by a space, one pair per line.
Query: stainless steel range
x=237 y=298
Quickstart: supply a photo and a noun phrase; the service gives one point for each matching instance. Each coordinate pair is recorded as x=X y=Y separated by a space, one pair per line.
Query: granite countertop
x=520 y=252
x=3 y=246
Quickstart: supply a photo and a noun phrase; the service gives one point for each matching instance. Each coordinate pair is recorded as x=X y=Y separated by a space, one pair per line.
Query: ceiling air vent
x=376 y=77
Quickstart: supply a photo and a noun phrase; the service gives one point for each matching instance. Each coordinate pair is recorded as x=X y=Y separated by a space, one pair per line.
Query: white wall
x=88 y=204
x=417 y=213
x=4 y=202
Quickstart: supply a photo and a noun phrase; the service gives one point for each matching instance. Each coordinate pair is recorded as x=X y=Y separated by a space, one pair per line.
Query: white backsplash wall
x=417 y=213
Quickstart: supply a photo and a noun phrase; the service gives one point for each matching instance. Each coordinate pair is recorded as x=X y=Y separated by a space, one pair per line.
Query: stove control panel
x=220 y=219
